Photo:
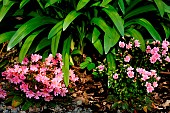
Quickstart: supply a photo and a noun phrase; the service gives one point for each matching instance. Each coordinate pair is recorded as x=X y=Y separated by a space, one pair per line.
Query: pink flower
x=140 y=70
x=34 y=67
x=73 y=76
x=30 y=94
x=24 y=69
x=22 y=77
x=158 y=78
x=153 y=59
x=17 y=68
x=25 y=61
x=57 y=91
x=121 y=44
x=167 y=59
x=63 y=91
x=59 y=56
x=3 y=93
x=35 y=57
x=150 y=89
x=137 y=44
x=115 y=76
x=55 y=83
x=37 y=95
x=130 y=69
x=154 y=50
x=128 y=46
x=16 y=80
x=101 y=67
x=155 y=84
x=24 y=87
x=153 y=72
x=165 y=44
x=48 y=98
x=130 y=74
x=148 y=49
x=49 y=59
x=127 y=58
x=45 y=93
x=164 y=52
x=145 y=77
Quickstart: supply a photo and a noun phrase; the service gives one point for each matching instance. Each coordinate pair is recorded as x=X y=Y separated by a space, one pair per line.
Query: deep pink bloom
x=34 y=67
x=130 y=74
x=37 y=95
x=115 y=76
x=137 y=43
x=57 y=91
x=24 y=69
x=55 y=83
x=121 y=44
x=153 y=59
x=49 y=59
x=100 y=67
x=48 y=98
x=25 y=61
x=63 y=91
x=30 y=94
x=3 y=93
x=148 y=49
x=154 y=50
x=22 y=77
x=127 y=58
x=35 y=57
x=24 y=87
x=16 y=80
x=128 y=46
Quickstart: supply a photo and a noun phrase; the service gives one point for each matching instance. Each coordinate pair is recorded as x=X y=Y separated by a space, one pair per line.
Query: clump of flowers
x=37 y=79
x=137 y=72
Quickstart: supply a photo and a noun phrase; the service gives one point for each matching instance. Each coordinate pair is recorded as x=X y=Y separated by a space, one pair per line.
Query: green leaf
x=105 y=2
x=132 y=4
x=101 y=23
x=4 y=9
x=76 y=51
x=5 y=2
x=117 y=20
x=57 y=28
x=90 y=66
x=95 y=35
x=23 y=3
x=42 y=44
x=137 y=35
x=143 y=22
x=55 y=43
x=27 y=44
x=84 y=65
x=6 y=36
x=121 y=5
x=81 y=4
x=140 y=10
x=167 y=30
x=51 y=2
x=69 y=18
x=45 y=54
x=166 y=8
x=16 y=101
x=27 y=28
x=27 y=105
x=88 y=59
x=111 y=62
x=98 y=45
x=160 y=5
x=115 y=105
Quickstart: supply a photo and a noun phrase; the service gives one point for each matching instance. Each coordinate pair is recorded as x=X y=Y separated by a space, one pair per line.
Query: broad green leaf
x=27 y=105
x=166 y=8
x=140 y=10
x=5 y=2
x=95 y=4
x=117 y=20
x=57 y=28
x=42 y=44
x=98 y=45
x=88 y=59
x=27 y=28
x=166 y=29
x=23 y=3
x=27 y=44
x=132 y=4
x=137 y=35
x=101 y=23
x=110 y=41
x=51 y=2
x=40 y=4
x=146 y=24
x=76 y=51
x=16 y=101
x=95 y=35
x=90 y=66
x=81 y=4
x=160 y=5
x=55 y=43
x=84 y=65
x=121 y=5
x=4 y=9
x=6 y=36
x=69 y=18
x=105 y=2
x=111 y=62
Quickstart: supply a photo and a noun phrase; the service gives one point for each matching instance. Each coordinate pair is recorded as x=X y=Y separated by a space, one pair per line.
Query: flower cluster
x=38 y=79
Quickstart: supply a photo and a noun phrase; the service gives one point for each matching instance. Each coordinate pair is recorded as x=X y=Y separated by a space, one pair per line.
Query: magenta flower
x=100 y=67
x=127 y=58
x=25 y=61
x=121 y=44
x=3 y=93
x=30 y=94
x=115 y=76
x=24 y=87
x=130 y=74
x=137 y=43
x=48 y=98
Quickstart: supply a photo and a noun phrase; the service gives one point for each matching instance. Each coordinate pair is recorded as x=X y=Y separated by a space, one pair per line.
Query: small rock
x=22 y=112
x=79 y=102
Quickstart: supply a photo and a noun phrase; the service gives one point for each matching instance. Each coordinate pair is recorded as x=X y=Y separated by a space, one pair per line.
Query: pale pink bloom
x=154 y=42
x=37 y=95
x=121 y=44
x=16 y=80
x=24 y=69
x=73 y=77
x=100 y=67
x=38 y=77
x=43 y=69
x=156 y=55
x=63 y=91
x=148 y=49
x=140 y=70
x=59 y=56
x=25 y=61
x=145 y=77
x=45 y=93
x=57 y=71
x=154 y=50
x=153 y=72
x=3 y=93
x=49 y=59
x=165 y=44
x=128 y=46
x=167 y=59
x=158 y=42
x=57 y=91
x=24 y=87
x=17 y=68
x=130 y=74
x=153 y=59
x=137 y=44
x=164 y=52
x=127 y=58
x=148 y=84
x=55 y=83
x=150 y=89
x=130 y=69
x=158 y=78
x=48 y=98
x=30 y=94
x=35 y=57
x=155 y=84
x=54 y=61
x=34 y=67
x=115 y=76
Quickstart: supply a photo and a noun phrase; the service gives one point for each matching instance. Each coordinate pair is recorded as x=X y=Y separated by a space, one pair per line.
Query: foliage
x=137 y=73
x=34 y=80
